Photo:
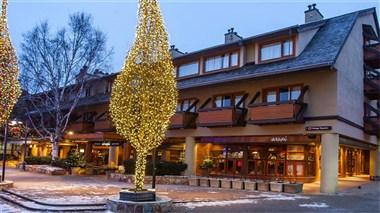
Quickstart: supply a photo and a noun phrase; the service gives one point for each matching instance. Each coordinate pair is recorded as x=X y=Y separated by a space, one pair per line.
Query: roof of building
x=322 y=51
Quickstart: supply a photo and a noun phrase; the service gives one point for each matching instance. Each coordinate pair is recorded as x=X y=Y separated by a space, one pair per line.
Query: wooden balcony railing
x=372 y=55
x=372 y=83
x=371 y=120
x=278 y=112
x=218 y=117
x=183 y=120
x=81 y=127
x=104 y=125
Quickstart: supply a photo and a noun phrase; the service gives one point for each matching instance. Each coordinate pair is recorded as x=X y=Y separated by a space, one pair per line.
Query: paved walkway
x=90 y=189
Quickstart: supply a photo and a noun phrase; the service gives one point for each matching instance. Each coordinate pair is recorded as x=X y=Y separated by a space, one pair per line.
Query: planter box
x=215 y=183
x=205 y=182
x=250 y=185
x=238 y=184
x=293 y=187
x=193 y=181
x=226 y=184
x=263 y=186
x=276 y=187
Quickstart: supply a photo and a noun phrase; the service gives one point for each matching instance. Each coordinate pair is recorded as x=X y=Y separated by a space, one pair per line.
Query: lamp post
x=26 y=134
x=4 y=150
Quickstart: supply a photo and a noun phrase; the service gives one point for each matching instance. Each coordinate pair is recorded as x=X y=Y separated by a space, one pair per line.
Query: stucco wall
x=321 y=99
x=350 y=73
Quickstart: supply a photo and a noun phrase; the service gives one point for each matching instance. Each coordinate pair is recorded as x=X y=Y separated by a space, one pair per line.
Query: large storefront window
x=259 y=161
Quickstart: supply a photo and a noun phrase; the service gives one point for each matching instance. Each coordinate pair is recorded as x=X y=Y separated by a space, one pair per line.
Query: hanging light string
x=144 y=95
x=9 y=86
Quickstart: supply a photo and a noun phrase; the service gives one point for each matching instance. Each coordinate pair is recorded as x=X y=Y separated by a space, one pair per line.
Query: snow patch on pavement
x=194 y=205
x=270 y=196
x=314 y=205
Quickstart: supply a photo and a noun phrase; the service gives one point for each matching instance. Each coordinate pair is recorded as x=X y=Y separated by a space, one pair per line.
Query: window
x=221 y=62
x=287 y=48
x=234 y=59
x=88 y=92
x=222 y=101
x=183 y=105
x=270 y=51
x=282 y=94
x=276 y=50
x=89 y=116
x=188 y=69
x=271 y=96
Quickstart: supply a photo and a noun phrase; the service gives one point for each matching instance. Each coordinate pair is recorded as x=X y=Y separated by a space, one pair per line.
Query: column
x=112 y=157
x=190 y=156
x=374 y=163
x=88 y=152
x=329 y=163
x=126 y=151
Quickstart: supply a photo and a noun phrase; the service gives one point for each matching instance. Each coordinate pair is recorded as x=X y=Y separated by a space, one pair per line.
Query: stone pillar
x=112 y=157
x=126 y=151
x=88 y=152
x=374 y=163
x=329 y=163
x=190 y=156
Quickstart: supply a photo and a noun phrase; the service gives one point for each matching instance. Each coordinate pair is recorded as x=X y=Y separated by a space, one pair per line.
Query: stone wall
x=44 y=169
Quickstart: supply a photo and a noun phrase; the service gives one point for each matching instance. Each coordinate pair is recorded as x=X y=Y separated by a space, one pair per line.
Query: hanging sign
x=318 y=128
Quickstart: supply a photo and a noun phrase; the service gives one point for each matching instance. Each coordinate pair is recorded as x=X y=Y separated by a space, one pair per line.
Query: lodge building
x=302 y=102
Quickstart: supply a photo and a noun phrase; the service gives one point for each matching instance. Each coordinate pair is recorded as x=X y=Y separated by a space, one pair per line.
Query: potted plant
x=250 y=185
x=75 y=163
x=206 y=165
x=237 y=184
x=293 y=187
x=277 y=186
x=263 y=186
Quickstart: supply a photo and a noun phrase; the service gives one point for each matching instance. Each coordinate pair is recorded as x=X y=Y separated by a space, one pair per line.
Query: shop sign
x=318 y=128
x=279 y=139
x=107 y=143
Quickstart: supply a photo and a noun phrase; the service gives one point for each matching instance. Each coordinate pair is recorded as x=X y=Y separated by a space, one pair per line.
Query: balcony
x=183 y=120
x=104 y=125
x=372 y=84
x=281 y=112
x=371 y=120
x=222 y=117
x=81 y=127
x=372 y=55
x=278 y=112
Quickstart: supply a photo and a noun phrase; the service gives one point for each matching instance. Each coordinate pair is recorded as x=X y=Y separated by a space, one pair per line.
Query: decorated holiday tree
x=144 y=95
x=9 y=86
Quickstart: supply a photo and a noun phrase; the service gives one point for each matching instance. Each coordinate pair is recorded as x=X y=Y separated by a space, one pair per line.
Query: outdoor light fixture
x=70 y=133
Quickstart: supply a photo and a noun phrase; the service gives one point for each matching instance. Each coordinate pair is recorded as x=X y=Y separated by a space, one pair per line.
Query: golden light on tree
x=144 y=95
x=9 y=85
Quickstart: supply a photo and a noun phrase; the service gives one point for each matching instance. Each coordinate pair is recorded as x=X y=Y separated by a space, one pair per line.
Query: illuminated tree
x=9 y=86
x=144 y=94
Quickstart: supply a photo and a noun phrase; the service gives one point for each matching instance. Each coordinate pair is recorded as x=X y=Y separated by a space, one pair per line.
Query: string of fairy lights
x=144 y=95
x=9 y=86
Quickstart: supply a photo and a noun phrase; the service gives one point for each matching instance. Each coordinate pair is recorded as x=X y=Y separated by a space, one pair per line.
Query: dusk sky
x=191 y=24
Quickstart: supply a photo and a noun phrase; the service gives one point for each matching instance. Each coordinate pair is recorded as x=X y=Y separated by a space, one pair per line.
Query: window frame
x=277 y=90
x=233 y=99
x=230 y=53
x=281 y=41
x=192 y=100
x=177 y=67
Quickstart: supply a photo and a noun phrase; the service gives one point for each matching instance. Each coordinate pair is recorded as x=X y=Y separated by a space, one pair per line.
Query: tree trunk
x=140 y=171
x=55 y=150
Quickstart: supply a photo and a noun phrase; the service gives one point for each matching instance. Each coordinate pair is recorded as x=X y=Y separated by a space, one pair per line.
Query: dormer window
x=188 y=69
x=224 y=61
x=276 y=50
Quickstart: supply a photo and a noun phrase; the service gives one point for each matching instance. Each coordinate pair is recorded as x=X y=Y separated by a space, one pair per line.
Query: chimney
x=312 y=14
x=175 y=52
x=231 y=36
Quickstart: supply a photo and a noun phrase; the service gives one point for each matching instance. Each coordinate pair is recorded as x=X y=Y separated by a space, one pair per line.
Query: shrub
x=38 y=160
x=61 y=163
x=162 y=167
